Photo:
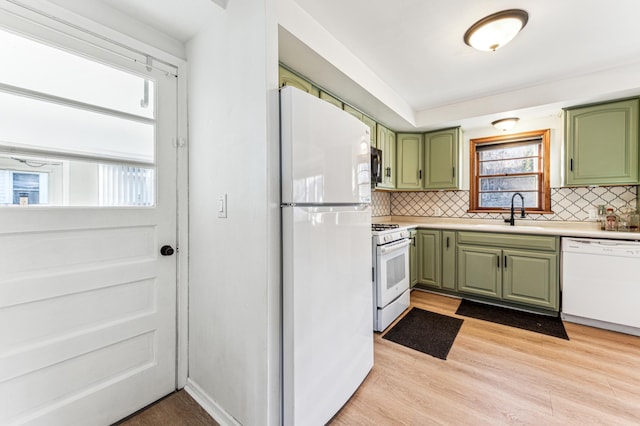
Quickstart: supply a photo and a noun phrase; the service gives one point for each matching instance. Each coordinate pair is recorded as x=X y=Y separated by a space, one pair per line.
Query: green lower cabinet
x=530 y=278
x=429 y=257
x=511 y=269
x=436 y=259
x=479 y=271
x=525 y=277
x=413 y=258
x=449 y=260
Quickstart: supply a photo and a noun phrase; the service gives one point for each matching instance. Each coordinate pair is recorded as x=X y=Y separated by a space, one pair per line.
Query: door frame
x=115 y=40
x=182 y=233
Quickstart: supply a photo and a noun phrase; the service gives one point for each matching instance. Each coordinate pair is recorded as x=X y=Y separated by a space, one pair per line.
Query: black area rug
x=549 y=325
x=426 y=332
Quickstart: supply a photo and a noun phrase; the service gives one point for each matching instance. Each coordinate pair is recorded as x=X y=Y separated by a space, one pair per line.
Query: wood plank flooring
x=494 y=375
x=177 y=409
x=497 y=375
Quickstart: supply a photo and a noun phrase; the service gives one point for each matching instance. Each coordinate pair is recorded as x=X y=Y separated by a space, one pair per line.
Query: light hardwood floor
x=177 y=409
x=496 y=375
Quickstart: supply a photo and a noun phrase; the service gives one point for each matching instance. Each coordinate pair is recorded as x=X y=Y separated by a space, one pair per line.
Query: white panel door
x=88 y=304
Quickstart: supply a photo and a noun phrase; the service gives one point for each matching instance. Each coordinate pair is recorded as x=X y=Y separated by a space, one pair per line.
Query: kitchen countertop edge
x=555 y=228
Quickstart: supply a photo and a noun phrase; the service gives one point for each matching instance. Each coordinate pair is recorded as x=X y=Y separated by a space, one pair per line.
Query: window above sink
x=504 y=165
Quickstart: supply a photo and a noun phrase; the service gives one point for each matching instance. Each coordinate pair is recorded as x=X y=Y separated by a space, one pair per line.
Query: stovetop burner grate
x=383 y=226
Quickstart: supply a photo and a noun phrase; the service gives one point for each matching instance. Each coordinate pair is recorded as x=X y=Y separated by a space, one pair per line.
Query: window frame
x=544 y=185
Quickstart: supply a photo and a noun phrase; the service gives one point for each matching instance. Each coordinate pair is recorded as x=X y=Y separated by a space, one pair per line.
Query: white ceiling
x=179 y=19
x=417 y=48
x=571 y=51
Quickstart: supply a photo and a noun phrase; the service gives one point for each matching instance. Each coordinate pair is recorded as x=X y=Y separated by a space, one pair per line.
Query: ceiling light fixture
x=505 y=124
x=494 y=31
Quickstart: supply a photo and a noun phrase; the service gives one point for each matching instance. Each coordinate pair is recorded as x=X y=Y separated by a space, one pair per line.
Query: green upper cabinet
x=372 y=129
x=387 y=143
x=409 y=160
x=331 y=99
x=601 y=144
x=441 y=159
x=370 y=122
x=287 y=78
x=357 y=114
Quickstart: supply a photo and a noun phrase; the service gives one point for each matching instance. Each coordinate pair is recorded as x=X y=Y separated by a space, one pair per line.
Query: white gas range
x=390 y=273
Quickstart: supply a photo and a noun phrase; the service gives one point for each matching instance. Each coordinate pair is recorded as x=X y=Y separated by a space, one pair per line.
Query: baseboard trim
x=620 y=328
x=209 y=405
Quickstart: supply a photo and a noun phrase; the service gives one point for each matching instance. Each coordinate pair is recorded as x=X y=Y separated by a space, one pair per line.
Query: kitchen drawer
x=532 y=242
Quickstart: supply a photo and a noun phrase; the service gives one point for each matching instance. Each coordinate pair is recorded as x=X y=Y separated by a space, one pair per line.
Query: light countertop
x=589 y=229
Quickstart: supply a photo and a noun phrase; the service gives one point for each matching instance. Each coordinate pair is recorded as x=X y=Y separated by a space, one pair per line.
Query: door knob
x=166 y=250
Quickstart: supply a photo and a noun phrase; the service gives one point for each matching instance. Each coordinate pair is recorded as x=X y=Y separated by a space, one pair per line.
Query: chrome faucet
x=512 y=220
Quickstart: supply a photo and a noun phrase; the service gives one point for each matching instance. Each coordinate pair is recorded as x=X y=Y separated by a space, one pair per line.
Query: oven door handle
x=391 y=247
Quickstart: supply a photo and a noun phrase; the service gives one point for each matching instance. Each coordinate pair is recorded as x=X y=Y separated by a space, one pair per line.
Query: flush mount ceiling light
x=505 y=124
x=494 y=31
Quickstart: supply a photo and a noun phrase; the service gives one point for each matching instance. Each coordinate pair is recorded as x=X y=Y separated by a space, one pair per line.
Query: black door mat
x=426 y=331
x=544 y=324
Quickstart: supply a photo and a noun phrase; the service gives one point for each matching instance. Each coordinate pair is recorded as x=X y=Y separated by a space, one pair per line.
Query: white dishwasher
x=601 y=283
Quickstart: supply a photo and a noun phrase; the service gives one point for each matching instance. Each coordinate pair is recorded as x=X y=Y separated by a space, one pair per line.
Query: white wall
x=302 y=26
x=138 y=34
x=234 y=263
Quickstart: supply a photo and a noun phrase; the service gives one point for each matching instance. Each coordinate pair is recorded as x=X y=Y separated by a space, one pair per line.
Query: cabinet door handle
x=453 y=172
x=420 y=174
x=413 y=241
x=571 y=164
x=388 y=171
x=505 y=261
x=447 y=242
x=498 y=257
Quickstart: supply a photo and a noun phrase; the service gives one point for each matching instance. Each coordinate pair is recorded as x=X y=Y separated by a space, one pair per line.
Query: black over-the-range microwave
x=376 y=165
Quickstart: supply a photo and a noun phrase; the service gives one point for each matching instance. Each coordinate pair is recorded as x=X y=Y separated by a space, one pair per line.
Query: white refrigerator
x=326 y=235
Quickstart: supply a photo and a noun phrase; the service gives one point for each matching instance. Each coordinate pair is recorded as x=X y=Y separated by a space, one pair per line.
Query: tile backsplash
x=570 y=204
x=380 y=203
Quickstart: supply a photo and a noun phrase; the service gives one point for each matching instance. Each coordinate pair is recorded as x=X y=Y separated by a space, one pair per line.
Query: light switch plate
x=222 y=206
